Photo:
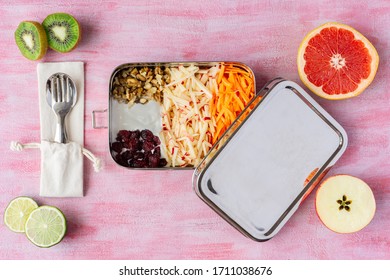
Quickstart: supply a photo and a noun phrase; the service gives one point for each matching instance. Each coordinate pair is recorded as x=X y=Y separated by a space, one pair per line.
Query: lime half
x=46 y=226
x=17 y=212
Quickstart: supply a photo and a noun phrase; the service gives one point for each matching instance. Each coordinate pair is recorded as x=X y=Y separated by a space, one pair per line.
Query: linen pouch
x=61 y=163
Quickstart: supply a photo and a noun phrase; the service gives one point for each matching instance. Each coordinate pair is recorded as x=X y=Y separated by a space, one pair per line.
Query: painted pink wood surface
x=156 y=215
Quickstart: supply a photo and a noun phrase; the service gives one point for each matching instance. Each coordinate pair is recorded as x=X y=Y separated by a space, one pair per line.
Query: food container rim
x=173 y=64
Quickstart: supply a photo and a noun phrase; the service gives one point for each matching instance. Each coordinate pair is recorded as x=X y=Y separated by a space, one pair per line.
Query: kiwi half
x=63 y=32
x=31 y=39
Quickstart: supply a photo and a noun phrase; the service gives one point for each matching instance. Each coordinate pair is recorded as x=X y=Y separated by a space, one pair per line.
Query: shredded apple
x=198 y=106
x=187 y=122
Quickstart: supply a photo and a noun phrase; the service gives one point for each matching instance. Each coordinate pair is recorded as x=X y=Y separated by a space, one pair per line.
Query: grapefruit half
x=336 y=62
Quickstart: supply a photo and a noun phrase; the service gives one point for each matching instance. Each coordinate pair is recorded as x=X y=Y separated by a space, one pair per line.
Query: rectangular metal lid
x=255 y=176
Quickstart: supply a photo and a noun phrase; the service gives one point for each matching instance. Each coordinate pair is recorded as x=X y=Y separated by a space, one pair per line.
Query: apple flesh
x=345 y=204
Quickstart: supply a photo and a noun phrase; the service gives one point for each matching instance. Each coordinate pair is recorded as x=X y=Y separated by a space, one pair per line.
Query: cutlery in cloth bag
x=61 y=163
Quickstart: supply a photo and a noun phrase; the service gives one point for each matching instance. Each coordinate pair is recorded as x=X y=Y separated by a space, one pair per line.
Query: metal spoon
x=61 y=95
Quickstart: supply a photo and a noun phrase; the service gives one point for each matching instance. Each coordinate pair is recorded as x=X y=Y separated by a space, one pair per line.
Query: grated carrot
x=235 y=90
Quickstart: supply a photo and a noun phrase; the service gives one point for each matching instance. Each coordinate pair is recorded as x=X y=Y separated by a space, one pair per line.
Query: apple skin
x=352 y=177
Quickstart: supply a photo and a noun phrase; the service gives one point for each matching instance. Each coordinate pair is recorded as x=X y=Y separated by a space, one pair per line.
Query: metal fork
x=61 y=95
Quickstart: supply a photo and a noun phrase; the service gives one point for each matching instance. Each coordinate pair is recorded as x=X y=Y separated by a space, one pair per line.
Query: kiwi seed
x=31 y=39
x=63 y=32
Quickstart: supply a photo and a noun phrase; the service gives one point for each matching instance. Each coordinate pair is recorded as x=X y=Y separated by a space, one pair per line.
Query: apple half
x=345 y=204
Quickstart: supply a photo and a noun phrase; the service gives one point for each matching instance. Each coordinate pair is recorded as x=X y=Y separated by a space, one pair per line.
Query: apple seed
x=344 y=203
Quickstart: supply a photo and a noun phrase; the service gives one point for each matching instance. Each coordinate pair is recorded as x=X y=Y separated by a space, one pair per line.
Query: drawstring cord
x=97 y=162
x=18 y=147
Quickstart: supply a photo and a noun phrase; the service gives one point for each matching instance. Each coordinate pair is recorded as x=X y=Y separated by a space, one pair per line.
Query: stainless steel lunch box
x=268 y=161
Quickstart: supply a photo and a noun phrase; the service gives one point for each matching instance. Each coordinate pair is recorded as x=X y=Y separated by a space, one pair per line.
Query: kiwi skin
x=42 y=40
x=61 y=17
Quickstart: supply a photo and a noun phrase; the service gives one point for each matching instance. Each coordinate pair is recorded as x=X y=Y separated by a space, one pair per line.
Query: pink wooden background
x=156 y=215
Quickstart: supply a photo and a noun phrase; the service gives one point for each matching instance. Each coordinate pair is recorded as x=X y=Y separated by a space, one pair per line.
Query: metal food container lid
x=272 y=156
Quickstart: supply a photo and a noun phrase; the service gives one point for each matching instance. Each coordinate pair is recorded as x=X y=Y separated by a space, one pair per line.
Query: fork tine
x=63 y=89
x=68 y=90
x=58 y=93
x=53 y=90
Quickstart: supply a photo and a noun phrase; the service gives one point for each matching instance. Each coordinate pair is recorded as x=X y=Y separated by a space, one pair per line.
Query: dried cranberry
x=133 y=144
x=117 y=147
x=141 y=149
x=148 y=146
x=124 y=134
x=157 y=151
x=154 y=161
x=127 y=155
x=156 y=140
x=146 y=134
x=140 y=163
x=131 y=163
x=162 y=162
x=126 y=145
x=135 y=134
x=147 y=154
x=119 y=160
x=139 y=155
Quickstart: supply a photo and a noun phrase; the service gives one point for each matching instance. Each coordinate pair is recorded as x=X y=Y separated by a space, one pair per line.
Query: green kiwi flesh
x=63 y=32
x=31 y=39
